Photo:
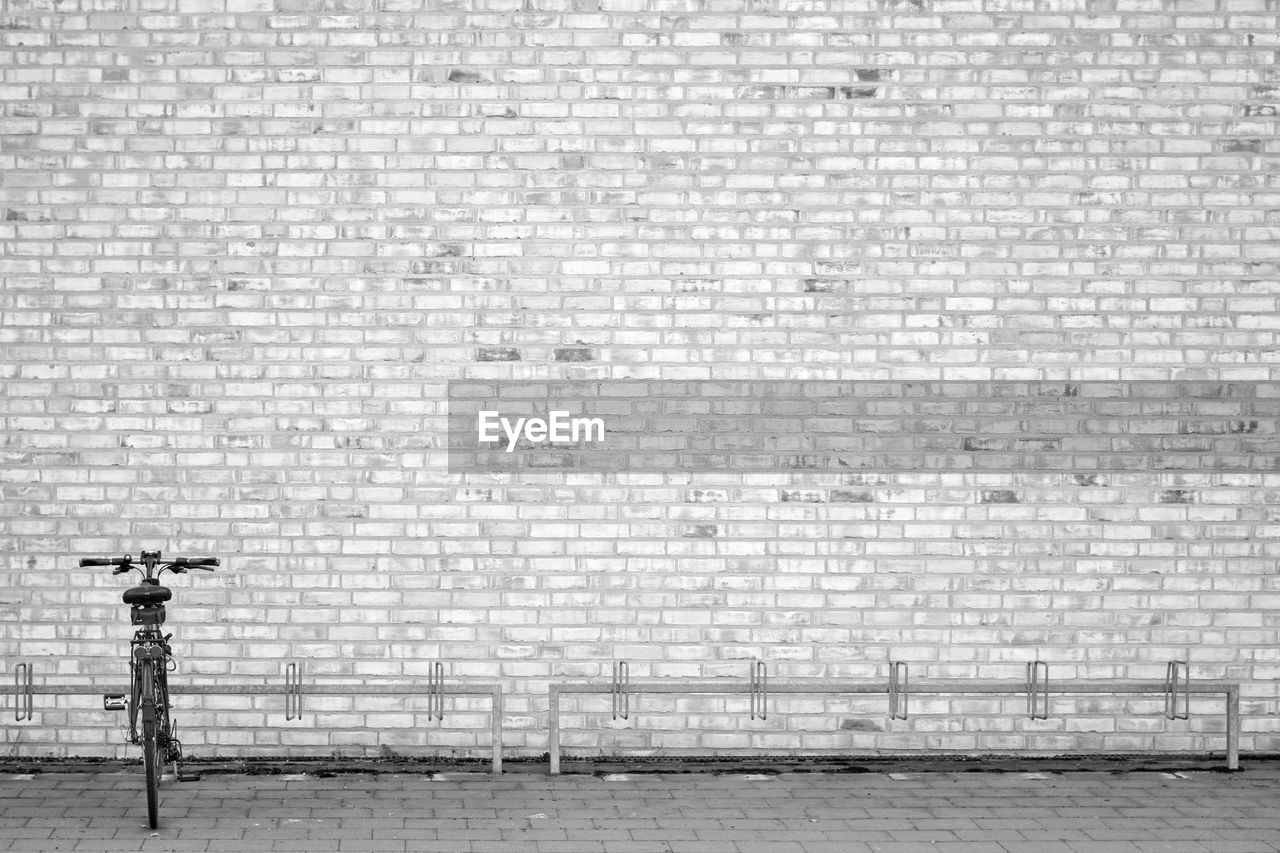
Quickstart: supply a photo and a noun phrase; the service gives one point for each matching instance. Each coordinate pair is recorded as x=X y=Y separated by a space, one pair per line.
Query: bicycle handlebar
x=206 y=563
x=104 y=561
x=179 y=565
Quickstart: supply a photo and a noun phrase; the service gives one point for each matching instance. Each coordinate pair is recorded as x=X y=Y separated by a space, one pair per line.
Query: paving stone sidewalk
x=529 y=812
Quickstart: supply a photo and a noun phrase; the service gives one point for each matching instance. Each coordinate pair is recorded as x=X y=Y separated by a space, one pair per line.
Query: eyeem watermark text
x=559 y=427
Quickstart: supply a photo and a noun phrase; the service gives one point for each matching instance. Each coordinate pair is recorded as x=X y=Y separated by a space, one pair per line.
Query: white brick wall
x=244 y=245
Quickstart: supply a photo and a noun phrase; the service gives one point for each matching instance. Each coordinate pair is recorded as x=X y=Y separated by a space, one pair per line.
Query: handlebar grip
x=101 y=561
x=195 y=562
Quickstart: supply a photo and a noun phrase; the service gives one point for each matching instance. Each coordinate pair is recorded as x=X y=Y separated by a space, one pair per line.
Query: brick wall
x=245 y=245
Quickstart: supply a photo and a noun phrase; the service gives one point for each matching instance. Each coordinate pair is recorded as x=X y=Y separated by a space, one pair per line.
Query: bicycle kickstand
x=179 y=776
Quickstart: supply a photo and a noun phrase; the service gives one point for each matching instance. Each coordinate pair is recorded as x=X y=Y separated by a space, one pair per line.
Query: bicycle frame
x=150 y=659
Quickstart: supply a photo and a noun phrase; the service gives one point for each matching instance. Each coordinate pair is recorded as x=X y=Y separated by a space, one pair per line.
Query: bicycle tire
x=151 y=767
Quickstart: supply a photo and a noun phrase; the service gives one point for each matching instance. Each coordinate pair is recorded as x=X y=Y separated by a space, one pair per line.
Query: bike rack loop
x=1037 y=690
x=758 y=678
x=620 y=692
x=435 y=691
x=293 y=691
x=23 y=698
x=1177 y=672
x=899 y=690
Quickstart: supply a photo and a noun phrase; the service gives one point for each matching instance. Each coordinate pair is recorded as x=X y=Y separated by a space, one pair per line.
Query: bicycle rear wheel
x=151 y=766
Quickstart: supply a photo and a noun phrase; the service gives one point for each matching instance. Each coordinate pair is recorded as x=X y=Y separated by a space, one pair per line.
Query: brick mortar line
x=746 y=120
x=843 y=25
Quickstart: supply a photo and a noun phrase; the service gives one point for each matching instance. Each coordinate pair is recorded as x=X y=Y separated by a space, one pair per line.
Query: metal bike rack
x=435 y=692
x=24 y=691
x=620 y=690
x=293 y=691
x=1177 y=672
x=899 y=690
x=1036 y=688
x=758 y=677
x=23 y=696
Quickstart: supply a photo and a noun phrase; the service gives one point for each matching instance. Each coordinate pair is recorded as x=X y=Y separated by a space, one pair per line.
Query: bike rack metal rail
x=1036 y=688
x=25 y=690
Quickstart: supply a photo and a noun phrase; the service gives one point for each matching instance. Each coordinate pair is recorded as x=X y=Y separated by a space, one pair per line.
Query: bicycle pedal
x=189 y=777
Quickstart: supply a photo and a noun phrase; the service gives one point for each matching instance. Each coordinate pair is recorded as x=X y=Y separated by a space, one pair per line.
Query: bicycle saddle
x=147 y=595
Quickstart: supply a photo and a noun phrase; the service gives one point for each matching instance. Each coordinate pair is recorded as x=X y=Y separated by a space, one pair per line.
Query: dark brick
x=573 y=354
x=497 y=354
x=702 y=530
x=457 y=75
x=1216 y=427
x=1240 y=146
x=975 y=443
x=869 y=75
x=27 y=216
x=809 y=91
x=802 y=496
x=855 y=496
x=1177 y=496
x=1085 y=479
x=999 y=496
x=860 y=724
x=847 y=92
x=822 y=285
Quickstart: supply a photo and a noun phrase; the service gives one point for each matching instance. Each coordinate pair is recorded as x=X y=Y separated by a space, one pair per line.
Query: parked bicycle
x=151 y=659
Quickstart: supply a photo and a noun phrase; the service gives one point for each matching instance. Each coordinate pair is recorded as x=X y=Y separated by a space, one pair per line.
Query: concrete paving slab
x=720 y=812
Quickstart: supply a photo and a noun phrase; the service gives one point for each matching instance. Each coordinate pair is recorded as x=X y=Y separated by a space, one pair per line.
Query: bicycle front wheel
x=151 y=766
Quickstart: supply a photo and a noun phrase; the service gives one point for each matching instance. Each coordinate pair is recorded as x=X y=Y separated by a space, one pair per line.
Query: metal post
x=23 y=698
x=293 y=691
x=1233 y=727
x=1038 y=690
x=898 y=690
x=758 y=689
x=621 y=692
x=1177 y=673
x=435 y=691
x=553 y=727
x=495 y=729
